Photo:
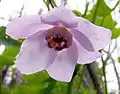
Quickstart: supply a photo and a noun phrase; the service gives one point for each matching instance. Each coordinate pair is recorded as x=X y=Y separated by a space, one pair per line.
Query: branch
x=21 y=11
x=94 y=77
x=116 y=72
x=104 y=73
x=64 y=2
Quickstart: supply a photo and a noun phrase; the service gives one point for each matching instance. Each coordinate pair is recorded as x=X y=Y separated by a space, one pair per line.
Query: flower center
x=58 y=38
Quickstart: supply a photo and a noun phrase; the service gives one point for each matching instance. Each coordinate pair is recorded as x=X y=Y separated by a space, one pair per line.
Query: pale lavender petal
x=25 y=26
x=85 y=56
x=63 y=67
x=60 y=15
x=98 y=36
x=34 y=55
x=82 y=39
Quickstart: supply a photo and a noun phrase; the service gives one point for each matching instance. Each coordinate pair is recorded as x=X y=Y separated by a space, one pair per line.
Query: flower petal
x=85 y=56
x=82 y=39
x=98 y=36
x=60 y=15
x=63 y=67
x=34 y=55
x=25 y=26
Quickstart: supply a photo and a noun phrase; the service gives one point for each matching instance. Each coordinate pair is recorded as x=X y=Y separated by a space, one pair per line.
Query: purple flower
x=56 y=42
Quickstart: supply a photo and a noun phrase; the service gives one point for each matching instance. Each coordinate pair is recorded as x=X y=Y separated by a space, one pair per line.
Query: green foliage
x=6 y=40
x=4 y=60
x=102 y=9
x=103 y=18
x=97 y=11
x=115 y=32
x=109 y=22
x=119 y=59
x=39 y=83
x=8 y=56
x=77 y=13
x=12 y=48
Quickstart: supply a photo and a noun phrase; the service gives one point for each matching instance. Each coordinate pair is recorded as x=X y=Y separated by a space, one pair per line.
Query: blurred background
x=101 y=77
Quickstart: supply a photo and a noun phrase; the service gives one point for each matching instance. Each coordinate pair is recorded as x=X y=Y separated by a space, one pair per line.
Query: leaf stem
x=116 y=72
x=116 y=5
x=51 y=3
x=95 y=13
x=86 y=9
x=54 y=3
x=104 y=73
x=90 y=68
x=46 y=5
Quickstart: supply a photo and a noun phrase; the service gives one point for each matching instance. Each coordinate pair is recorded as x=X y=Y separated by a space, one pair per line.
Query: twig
x=86 y=9
x=104 y=73
x=109 y=52
x=116 y=72
x=64 y=2
x=21 y=11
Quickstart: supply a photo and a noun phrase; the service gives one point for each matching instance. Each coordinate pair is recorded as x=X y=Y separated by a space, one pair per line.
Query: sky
x=9 y=9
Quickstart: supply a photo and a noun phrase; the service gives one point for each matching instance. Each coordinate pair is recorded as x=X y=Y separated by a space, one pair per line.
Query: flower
x=56 y=42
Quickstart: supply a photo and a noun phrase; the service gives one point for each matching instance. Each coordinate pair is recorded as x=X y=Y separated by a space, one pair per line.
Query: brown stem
x=94 y=77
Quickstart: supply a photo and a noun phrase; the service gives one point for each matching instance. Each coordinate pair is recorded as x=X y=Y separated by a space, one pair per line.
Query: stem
x=46 y=5
x=104 y=73
x=64 y=2
x=54 y=3
x=95 y=13
x=94 y=77
x=116 y=72
x=116 y=5
x=51 y=3
x=86 y=9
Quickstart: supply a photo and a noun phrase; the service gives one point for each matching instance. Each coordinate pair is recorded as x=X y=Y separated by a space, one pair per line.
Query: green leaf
x=6 y=40
x=119 y=59
x=102 y=9
x=99 y=10
x=109 y=22
x=11 y=51
x=2 y=32
x=115 y=32
x=5 y=60
x=8 y=56
x=77 y=13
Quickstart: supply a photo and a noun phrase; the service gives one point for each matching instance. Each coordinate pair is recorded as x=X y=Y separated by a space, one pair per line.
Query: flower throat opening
x=58 y=38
